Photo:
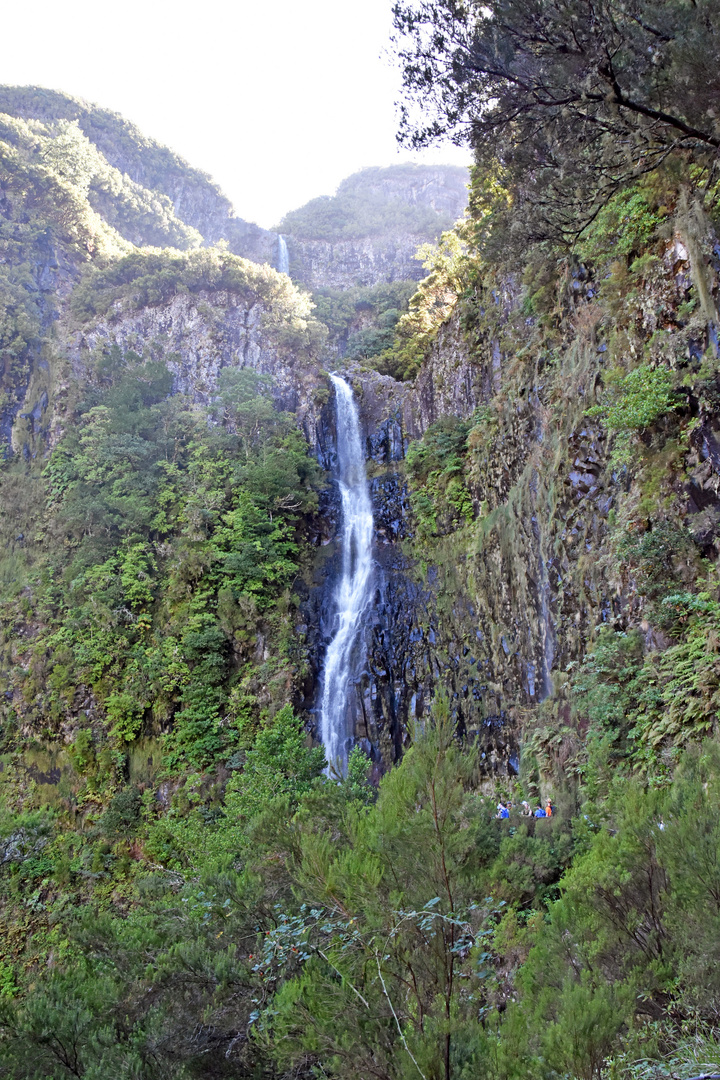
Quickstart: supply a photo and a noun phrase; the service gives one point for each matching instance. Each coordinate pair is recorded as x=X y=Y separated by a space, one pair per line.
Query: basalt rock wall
x=424 y=628
x=497 y=608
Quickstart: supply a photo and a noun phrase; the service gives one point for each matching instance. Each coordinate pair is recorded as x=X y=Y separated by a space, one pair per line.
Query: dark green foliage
x=362 y=321
x=656 y=555
x=356 y=782
x=646 y=702
x=123 y=813
x=302 y=924
x=180 y=539
x=529 y=865
x=394 y=927
x=436 y=469
x=606 y=682
x=574 y=99
x=279 y=768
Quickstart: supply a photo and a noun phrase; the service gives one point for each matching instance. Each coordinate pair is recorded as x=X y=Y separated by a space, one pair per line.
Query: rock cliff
x=100 y=187
x=364 y=261
x=369 y=231
x=497 y=564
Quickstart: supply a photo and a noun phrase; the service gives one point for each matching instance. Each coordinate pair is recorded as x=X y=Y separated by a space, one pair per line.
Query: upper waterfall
x=283 y=256
x=352 y=593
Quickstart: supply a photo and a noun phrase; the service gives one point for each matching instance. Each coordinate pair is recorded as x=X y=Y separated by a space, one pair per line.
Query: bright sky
x=277 y=99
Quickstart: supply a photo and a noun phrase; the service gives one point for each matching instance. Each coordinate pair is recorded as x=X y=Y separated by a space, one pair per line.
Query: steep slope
x=183 y=890
x=193 y=196
x=107 y=187
x=563 y=498
x=512 y=501
x=364 y=235
x=48 y=233
x=106 y=311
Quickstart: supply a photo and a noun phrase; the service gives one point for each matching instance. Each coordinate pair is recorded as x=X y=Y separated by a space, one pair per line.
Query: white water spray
x=283 y=256
x=352 y=594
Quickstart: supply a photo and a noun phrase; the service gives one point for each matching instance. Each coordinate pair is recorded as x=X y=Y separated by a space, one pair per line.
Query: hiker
x=549 y=809
x=526 y=808
x=503 y=811
x=540 y=812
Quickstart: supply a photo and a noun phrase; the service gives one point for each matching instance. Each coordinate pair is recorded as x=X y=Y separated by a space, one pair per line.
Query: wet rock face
x=702 y=489
x=25 y=383
x=391 y=508
x=417 y=636
x=404 y=653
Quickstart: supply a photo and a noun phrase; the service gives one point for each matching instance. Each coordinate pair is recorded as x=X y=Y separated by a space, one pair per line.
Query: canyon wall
x=494 y=592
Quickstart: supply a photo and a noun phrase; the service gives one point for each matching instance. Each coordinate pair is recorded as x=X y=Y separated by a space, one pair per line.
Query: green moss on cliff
x=574 y=471
x=167 y=547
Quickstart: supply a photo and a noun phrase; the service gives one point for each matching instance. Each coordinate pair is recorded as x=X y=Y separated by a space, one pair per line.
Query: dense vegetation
x=140 y=215
x=567 y=102
x=362 y=321
x=297 y=924
x=168 y=543
x=183 y=891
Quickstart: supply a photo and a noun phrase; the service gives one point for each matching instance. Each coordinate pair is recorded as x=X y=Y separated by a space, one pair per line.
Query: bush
x=436 y=471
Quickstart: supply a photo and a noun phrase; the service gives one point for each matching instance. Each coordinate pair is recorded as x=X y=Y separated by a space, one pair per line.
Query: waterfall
x=352 y=593
x=283 y=256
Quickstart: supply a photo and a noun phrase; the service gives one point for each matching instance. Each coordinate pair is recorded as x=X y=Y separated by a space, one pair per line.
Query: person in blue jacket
x=540 y=812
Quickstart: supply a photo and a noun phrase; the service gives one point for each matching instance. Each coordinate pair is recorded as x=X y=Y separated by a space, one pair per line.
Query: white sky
x=277 y=99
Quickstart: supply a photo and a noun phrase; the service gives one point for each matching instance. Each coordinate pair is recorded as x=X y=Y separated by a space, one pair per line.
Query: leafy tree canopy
x=573 y=98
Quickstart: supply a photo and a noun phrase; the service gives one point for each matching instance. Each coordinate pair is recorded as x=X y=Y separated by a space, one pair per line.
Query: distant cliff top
x=420 y=200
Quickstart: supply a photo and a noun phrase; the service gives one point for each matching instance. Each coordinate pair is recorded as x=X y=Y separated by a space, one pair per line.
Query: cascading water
x=283 y=256
x=352 y=593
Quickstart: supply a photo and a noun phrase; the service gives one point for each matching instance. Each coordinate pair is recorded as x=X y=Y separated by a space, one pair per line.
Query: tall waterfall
x=283 y=256
x=352 y=593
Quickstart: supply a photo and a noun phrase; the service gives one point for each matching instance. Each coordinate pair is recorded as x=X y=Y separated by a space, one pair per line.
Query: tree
x=573 y=98
x=389 y=952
